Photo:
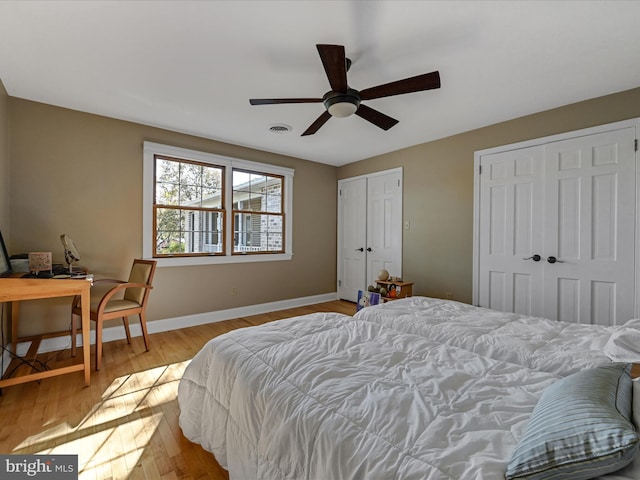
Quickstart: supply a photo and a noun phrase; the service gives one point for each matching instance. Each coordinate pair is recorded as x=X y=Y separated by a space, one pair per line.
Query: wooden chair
x=105 y=307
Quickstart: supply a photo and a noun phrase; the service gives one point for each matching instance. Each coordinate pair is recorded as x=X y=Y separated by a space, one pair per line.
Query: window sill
x=220 y=260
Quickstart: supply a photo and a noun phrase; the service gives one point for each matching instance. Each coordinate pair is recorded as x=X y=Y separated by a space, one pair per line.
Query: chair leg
x=74 y=332
x=98 y=343
x=125 y=322
x=143 y=325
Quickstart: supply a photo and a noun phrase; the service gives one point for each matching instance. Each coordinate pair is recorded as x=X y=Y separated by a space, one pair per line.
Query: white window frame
x=151 y=149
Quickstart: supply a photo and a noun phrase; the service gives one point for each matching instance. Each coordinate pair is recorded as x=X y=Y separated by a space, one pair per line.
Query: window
x=258 y=225
x=192 y=217
x=187 y=208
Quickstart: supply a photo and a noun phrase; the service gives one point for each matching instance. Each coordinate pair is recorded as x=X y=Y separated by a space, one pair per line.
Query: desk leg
x=15 y=318
x=86 y=335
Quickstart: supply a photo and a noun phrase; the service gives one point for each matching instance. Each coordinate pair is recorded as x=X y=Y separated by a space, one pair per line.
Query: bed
x=533 y=342
x=329 y=396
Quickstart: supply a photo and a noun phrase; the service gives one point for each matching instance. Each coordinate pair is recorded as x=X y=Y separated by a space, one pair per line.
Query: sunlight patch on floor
x=115 y=431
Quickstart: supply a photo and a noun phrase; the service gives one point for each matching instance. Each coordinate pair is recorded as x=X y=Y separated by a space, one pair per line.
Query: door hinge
x=635 y=146
x=339 y=283
x=479 y=169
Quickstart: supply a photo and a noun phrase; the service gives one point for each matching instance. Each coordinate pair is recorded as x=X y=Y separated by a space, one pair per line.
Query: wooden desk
x=17 y=289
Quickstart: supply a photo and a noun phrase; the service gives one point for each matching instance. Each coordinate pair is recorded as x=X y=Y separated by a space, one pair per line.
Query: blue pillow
x=581 y=428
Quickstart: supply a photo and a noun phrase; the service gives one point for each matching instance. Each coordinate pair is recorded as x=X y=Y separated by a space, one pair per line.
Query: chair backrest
x=141 y=272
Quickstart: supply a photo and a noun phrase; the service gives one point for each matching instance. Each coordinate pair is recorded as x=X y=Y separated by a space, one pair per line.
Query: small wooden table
x=15 y=290
x=403 y=289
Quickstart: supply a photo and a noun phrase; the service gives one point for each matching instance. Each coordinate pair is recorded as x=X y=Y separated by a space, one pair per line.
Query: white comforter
x=329 y=397
x=537 y=343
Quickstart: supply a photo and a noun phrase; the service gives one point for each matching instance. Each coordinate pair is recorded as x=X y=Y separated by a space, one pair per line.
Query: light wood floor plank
x=125 y=425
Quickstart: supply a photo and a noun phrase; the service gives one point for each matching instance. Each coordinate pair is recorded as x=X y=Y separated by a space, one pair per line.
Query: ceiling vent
x=280 y=128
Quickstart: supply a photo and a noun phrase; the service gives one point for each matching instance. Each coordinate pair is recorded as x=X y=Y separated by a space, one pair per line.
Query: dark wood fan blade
x=271 y=101
x=379 y=119
x=315 y=126
x=335 y=66
x=418 y=83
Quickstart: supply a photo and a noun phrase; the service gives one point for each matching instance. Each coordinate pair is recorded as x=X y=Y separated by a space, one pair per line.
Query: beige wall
x=4 y=182
x=4 y=161
x=438 y=188
x=81 y=174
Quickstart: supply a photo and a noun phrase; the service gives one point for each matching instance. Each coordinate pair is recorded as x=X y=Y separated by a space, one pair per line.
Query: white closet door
x=573 y=203
x=511 y=186
x=352 y=238
x=369 y=230
x=384 y=225
x=589 y=227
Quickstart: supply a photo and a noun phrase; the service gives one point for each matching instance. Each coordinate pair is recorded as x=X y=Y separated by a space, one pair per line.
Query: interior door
x=369 y=230
x=557 y=227
x=384 y=225
x=352 y=238
x=510 y=247
x=590 y=228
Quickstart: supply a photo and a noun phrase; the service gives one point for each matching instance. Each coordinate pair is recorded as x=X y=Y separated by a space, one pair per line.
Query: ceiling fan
x=343 y=101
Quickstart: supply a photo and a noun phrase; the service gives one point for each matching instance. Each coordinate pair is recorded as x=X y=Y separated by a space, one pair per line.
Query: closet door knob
x=369 y=249
x=553 y=259
x=360 y=249
x=535 y=258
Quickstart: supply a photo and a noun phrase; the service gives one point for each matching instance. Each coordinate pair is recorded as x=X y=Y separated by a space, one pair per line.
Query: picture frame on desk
x=5 y=261
x=40 y=262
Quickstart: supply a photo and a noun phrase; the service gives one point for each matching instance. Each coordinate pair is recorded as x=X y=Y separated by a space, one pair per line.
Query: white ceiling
x=191 y=66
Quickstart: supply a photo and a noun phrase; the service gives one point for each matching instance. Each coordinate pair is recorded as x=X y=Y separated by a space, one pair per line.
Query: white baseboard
x=167 y=324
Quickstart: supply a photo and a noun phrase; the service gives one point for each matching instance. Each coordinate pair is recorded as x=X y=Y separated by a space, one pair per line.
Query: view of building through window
x=257 y=212
x=190 y=209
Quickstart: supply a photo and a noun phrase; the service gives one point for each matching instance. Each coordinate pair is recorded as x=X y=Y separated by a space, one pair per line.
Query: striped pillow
x=581 y=428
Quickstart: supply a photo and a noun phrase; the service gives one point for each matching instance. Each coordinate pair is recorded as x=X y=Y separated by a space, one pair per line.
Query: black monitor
x=5 y=263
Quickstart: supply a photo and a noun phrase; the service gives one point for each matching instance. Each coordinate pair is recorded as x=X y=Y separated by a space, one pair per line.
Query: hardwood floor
x=125 y=425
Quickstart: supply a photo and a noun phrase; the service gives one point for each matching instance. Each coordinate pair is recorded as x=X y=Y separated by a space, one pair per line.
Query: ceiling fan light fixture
x=342 y=105
x=342 y=109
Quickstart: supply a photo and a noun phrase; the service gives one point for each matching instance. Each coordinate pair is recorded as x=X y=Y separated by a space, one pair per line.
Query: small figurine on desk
x=70 y=252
